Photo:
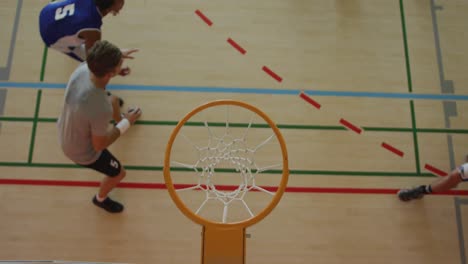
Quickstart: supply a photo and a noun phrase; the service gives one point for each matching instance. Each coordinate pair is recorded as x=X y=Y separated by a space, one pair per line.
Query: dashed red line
x=236 y=46
x=435 y=170
x=204 y=18
x=310 y=100
x=141 y=185
x=344 y=122
x=272 y=74
x=350 y=126
x=393 y=149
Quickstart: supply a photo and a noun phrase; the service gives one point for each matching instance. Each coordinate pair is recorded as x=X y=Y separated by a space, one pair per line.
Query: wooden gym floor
x=396 y=70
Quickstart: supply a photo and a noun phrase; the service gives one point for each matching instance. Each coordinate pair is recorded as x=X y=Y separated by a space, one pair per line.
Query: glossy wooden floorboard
x=327 y=46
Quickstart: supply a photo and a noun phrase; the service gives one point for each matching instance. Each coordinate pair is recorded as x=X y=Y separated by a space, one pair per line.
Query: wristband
x=123 y=126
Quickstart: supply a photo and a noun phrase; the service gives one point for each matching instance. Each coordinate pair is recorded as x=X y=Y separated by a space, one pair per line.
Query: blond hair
x=103 y=57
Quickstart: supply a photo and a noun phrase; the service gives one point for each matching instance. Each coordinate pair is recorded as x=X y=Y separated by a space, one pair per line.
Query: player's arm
x=90 y=37
x=102 y=142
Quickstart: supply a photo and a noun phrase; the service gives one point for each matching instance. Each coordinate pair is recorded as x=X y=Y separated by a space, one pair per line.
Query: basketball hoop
x=229 y=153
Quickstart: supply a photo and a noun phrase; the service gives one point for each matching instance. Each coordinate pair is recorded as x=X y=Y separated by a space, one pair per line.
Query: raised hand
x=127 y=52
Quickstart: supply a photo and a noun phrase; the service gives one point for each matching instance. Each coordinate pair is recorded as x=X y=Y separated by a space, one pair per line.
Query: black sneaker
x=410 y=194
x=121 y=101
x=109 y=205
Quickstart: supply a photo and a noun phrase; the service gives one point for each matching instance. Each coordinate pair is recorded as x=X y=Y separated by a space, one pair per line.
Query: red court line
x=236 y=46
x=272 y=74
x=138 y=185
x=350 y=126
x=204 y=18
x=317 y=105
x=310 y=100
x=393 y=149
x=435 y=170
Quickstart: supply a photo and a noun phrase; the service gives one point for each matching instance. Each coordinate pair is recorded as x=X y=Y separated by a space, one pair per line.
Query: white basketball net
x=226 y=149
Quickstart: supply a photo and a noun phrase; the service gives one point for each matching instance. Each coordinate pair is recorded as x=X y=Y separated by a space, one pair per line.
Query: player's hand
x=125 y=71
x=133 y=114
x=127 y=52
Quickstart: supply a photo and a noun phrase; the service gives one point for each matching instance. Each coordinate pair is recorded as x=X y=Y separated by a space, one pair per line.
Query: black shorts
x=106 y=164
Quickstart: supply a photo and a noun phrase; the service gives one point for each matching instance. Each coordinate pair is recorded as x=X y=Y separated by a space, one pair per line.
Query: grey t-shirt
x=87 y=111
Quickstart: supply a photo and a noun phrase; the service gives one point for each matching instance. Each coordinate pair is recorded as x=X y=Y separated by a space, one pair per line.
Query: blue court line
x=195 y=89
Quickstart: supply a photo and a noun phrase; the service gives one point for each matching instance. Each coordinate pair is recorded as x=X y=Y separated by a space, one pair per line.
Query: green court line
x=410 y=88
x=415 y=138
x=281 y=126
x=44 y=62
x=292 y=172
x=17 y=119
x=405 y=44
x=414 y=130
x=34 y=127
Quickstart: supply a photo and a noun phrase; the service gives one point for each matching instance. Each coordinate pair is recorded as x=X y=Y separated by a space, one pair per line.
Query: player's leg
x=114 y=173
x=449 y=182
x=73 y=56
x=69 y=51
x=440 y=185
x=77 y=53
x=71 y=47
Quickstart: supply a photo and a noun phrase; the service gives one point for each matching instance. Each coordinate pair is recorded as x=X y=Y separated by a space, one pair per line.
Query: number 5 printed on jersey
x=62 y=12
x=114 y=163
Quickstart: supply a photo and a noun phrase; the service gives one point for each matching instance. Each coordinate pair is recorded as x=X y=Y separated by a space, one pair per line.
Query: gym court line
x=418 y=173
x=277 y=91
x=160 y=186
x=254 y=91
x=234 y=90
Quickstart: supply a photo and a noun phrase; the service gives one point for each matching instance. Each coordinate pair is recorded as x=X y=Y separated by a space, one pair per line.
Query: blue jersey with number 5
x=67 y=18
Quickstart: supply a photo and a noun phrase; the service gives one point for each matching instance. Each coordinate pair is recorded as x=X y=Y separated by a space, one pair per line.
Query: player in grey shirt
x=84 y=125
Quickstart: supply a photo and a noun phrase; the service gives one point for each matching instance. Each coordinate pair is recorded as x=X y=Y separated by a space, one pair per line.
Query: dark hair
x=104 y=4
x=103 y=57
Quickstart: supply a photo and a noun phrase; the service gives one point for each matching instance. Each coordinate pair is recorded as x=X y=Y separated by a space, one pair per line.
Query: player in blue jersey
x=73 y=26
